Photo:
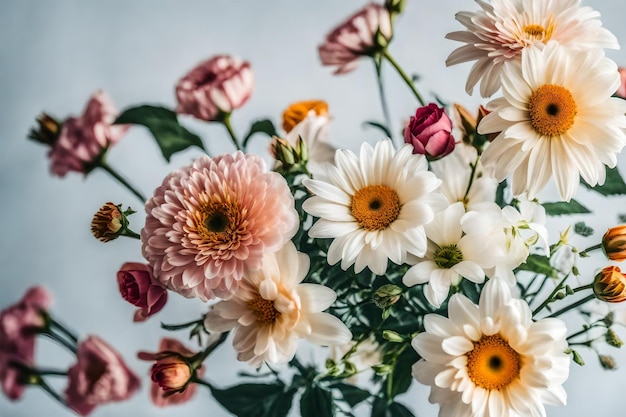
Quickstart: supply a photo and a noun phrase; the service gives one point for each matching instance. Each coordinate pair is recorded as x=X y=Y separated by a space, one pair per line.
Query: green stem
x=471 y=180
x=231 y=132
x=55 y=324
x=121 y=180
x=573 y=305
x=404 y=76
x=551 y=296
x=181 y=326
x=591 y=249
x=197 y=360
x=583 y=331
x=60 y=340
x=583 y=287
x=52 y=392
x=381 y=92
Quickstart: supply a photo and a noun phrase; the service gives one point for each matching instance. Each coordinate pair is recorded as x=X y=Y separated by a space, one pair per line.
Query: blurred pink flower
x=430 y=132
x=99 y=376
x=218 y=85
x=356 y=37
x=209 y=220
x=138 y=287
x=621 y=91
x=83 y=139
x=171 y=374
x=18 y=330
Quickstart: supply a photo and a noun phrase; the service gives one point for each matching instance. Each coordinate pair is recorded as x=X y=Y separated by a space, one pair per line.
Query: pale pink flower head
x=503 y=28
x=138 y=287
x=83 y=139
x=430 y=132
x=215 y=87
x=19 y=324
x=621 y=91
x=171 y=373
x=360 y=35
x=100 y=376
x=273 y=309
x=210 y=220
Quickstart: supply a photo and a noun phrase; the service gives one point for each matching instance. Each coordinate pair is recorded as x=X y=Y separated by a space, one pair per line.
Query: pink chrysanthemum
x=209 y=220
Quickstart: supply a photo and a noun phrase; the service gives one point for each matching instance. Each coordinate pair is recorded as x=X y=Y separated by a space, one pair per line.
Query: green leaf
x=563 y=207
x=539 y=264
x=163 y=124
x=400 y=410
x=351 y=394
x=260 y=126
x=378 y=126
x=582 y=229
x=500 y=194
x=316 y=402
x=401 y=374
x=614 y=184
x=255 y=400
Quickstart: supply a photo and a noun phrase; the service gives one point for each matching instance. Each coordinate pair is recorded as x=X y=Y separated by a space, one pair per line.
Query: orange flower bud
x=610 y=285
x=107 y=223
x=297 y=112
x=172 y=373
x=614 y=243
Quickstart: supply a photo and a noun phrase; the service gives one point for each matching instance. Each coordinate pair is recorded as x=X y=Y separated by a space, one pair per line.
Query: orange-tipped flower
x=614 y=243
x=297 y=112
x=108 y=223
x=610 y=285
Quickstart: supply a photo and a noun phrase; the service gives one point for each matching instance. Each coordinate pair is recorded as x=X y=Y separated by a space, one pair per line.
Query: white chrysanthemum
x=503 y=28
x=272 y=309
x=451 y=255
x=462 y=182
x=374 y=206
x=557 y=118
x=492 y=359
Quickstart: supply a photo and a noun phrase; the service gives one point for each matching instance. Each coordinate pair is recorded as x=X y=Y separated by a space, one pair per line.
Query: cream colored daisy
x=374 y=206
x=557 y=118
x=272 y=309
x=503 y=28
x=492 y=359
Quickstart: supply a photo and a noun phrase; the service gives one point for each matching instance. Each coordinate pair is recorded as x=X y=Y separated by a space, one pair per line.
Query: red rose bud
x=138 y=287
x=614 y=243
x=610 y=285
x=215 y=87
x=171 y=373
x=430 y=132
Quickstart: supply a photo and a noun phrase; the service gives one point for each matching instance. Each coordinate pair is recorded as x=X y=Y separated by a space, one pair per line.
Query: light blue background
x=53 y=55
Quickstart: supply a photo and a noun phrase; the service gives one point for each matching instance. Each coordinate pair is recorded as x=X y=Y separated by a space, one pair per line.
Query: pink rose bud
x=100 y=376
x=171 y=373
x=138 y=287
x=363 y=34
x=430 y=132
x=621 y=91
x=19 y=324
x=83 y=139
x=215 y=87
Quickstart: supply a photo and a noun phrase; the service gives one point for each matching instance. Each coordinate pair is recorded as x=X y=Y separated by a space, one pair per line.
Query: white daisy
x=374 y=206
x=464 y=177
x=272 y=309
x=451 y=255
x=557 y=118
x=492 y=359
x=503 y=28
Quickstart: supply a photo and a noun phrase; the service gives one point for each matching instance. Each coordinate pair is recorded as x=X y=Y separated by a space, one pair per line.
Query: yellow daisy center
x=552 y=110
x=375 y=207
x=493 y=364
x=215 y=222
x=263 y=309
x=538 y=32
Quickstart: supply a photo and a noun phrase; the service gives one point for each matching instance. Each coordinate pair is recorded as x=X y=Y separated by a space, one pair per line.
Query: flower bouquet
x=421 y=257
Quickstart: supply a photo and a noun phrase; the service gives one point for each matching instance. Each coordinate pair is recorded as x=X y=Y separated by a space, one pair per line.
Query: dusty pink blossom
x=18 y=330
x=209 y=220
x=84 y=138
x=621 y=91
x=138 y=287
x=360 y=35
x=216 y=86
x=170 y=374
x=99 y=376
x=430 y=132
